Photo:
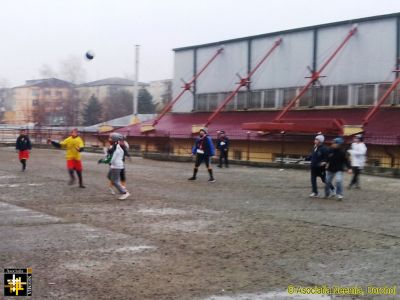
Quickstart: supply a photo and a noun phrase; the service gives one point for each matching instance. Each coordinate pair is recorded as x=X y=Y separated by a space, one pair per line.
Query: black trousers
x=318 y=172
x=223 y=156
x=356 y=175
x=200 y=158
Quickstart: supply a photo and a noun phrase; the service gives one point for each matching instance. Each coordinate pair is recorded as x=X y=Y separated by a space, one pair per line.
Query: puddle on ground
x=90 y=265
x=185 y=226
x=162 y=211
x=7 y=177
x=9 y=185
x=131 y=249
x=115 y=249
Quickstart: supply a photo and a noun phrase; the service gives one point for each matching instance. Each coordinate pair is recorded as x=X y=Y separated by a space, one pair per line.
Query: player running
x=115 y=158
x=23 y=146
x=74 y=146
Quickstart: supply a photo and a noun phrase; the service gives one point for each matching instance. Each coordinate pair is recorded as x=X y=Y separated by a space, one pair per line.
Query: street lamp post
x=136 y=84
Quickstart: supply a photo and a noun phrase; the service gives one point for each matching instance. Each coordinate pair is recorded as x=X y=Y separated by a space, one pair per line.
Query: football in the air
x=89 y=55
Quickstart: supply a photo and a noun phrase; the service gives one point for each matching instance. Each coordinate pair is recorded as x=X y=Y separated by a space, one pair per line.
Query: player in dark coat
x=318 y=160
x=223 y=147
x=204 y=150
x=336 y=164
x=23 y=145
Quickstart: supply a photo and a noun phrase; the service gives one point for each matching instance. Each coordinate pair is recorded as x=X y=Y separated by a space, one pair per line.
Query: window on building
x=288 y=95
x=231 y=105
x=269 y=99
x=307 y=99
x=35 y=93
x=57 y=120
x=112 y=90
x=366 y=94
x=383 y=87
x=340 y=95
x=321 y=95
x=58 y=93
x=396 y=96
x=47 y=92
x=213 y=101
x=255 y=100
x=241 y=100
x=35 y=102
x=202 y=102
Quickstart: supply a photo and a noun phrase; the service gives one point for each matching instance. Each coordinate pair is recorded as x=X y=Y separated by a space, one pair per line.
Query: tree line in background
x=117 y=105
x=71 y=110
x=63 y=111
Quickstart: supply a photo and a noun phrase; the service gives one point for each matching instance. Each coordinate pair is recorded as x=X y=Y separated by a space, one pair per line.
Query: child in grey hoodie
x=115 y=158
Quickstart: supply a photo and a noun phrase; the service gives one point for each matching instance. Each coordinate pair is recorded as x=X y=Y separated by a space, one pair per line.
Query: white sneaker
x=124 y=196
x=314 y=195
x=111 y=191
x=339 y=197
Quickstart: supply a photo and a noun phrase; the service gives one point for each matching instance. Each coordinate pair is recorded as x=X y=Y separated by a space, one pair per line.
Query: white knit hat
x=320 y=138
x=358 y=136
x=205 y=130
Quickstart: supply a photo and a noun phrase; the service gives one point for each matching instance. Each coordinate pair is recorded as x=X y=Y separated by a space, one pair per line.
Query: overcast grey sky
x=37 y=32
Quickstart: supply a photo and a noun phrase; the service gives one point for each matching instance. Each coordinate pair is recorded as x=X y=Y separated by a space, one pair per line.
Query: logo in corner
x=18 y=282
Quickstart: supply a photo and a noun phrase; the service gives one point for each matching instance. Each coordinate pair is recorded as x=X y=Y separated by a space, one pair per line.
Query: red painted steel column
x=316 y=75
x=186 y=87
x=243 y=82
x=375 y=108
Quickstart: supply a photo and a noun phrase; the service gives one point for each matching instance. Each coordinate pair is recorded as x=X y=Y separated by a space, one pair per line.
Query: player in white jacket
x=115 y=158
x=358 y=154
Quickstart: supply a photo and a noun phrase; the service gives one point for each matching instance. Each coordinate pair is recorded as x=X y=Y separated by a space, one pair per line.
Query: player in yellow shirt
x=74 y=146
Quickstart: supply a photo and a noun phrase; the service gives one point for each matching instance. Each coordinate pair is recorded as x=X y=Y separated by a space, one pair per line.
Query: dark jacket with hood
x=318 y=156
x=23 y=143
x=223 y=144
x=337 y=160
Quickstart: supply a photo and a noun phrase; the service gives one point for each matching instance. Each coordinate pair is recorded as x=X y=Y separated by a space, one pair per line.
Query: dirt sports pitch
x=247 y=236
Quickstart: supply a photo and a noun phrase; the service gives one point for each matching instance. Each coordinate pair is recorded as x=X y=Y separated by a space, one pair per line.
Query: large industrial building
x=347 y=66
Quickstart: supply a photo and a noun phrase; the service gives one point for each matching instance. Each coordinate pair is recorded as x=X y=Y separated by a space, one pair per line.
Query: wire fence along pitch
x=248 y=147
x=41 y=135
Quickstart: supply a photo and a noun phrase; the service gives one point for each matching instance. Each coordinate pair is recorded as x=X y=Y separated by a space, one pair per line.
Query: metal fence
x=39 y=135
x=249 y=147
x=383 y=151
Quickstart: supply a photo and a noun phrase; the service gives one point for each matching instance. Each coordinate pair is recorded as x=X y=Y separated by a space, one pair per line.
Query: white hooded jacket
x=117 y=161
x=358 y=154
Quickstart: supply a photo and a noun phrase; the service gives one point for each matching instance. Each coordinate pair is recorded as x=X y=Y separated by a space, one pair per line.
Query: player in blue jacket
x=204 y=150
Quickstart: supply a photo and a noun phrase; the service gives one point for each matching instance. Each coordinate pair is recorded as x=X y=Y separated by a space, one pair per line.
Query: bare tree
x=47 y=71
x=71 y=70
x=63 y=110
x=40 y=113
x=5 y=97
x=118 y=104
x=71 y=108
